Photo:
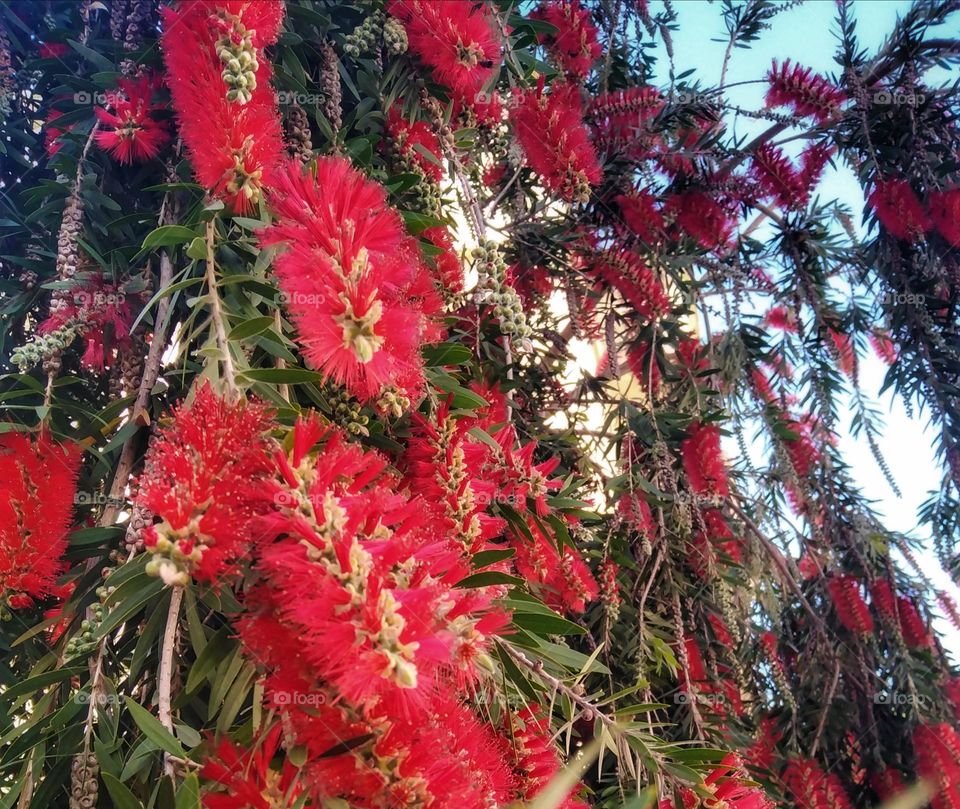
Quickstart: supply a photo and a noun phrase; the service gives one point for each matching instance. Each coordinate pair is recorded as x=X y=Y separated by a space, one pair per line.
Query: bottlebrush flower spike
x=619 y=118
x=641 y=216
x=883 y=347
x=575 y=45
x=219 y=82
x=129 y=129
x=843 y=350
x=898 y=209
x=701 y=218
x=449 y=267
x=550 y=129
x=703 y=460
x=813 y=788
x=457 y=40
x=912 y=626
x=762 y=754
x=945 y=214
x=536 y=759
x=204 y=478
x=803 y=91
x=849 y=605
x=353 y=279
x=38 y=479
x=813 y=160
x=949 y=607
x=937 y=748
x=726 y=782
x=629 y=274
x=636 y=511
x=782 y=318
x=416 y=143
x=884 y=601
x=777 y=177
x=610 y=589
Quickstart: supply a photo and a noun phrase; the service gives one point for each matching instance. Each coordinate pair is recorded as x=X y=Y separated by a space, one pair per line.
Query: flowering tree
x=309 y=496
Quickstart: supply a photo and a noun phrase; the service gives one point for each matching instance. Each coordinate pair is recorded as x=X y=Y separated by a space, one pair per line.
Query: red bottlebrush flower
x=232 y=132
x=887 y=784
x=609 y=588
x=813 y=788
x=782 y=318
x=204 y=478
x=550 y=128
x=701 y=218
x=884 y=601
x=350 y=275
x=726 y=783
x=883 y=347
x=762 y=754
x=247 y=776
x=38 y=479
x=630 y=275
x=813 y=160
x=937 y=748
x=493 y=175
x=129 y=131
x=898 y=209
x=720 y=630
x=101 y=315
x=843 y=351
x=52 y=133
x=777 y=177
x=641 y=216
x=53 y=50
x=804 y=92
x=536 y=759
x=802 y=451
x=851 y=609
x=912 y=626
x=945 y=214
x=619 y=118
x=456 y=40
x=449 y=268
x=949 y=607
x=416 y=143
x=646 y=371
x=575 y=45
x=703 y=460
x=636 y=512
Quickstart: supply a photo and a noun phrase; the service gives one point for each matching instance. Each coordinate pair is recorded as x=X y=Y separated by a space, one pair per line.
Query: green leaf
x=488 y=577
x=547 y=624
x=167 y=236
x=446 y=354
x=282 y=376
x=197 y=249
x=255 y=325
x=188 y=796
x=213 y=653
x=120 y=794
x=32 y=684
x=485 y=558
x=153 y=730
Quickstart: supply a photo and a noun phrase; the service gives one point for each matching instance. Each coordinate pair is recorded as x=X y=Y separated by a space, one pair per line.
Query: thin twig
x=216 y=314
x=165 y=672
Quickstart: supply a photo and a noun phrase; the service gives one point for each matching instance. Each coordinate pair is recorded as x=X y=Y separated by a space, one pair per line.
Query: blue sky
x=806 y=34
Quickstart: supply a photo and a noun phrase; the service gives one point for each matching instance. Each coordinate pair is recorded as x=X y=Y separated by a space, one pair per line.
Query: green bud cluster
x=346 y=412
x=43 y=348
x=507 y=306
x=395 y=36
x=240 y=63
x=364 y=37
x=85 y=643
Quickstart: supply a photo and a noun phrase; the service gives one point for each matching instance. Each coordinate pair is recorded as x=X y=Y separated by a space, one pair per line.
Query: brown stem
x=216 y=314
x=165 y=672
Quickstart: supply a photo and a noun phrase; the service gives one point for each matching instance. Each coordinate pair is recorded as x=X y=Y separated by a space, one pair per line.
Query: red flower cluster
x=354 y=282
x=636 y=512
x=204 y=478
x=843 y=350
x=628 y=274
x=38 y=479
x=900 y=611
x=887 y=783
x=701 y=218
x=945 y=214
x=219 y=80
x=456 y=40
x=416 y=143
x=937 y=748
x=101 y=314
x=619 y=118
x=782 y=318
x=128 y=129
x=550 y=128
x=803 y=91
x=248 y=777
x=641 y=215
x=898 y=209
x=575 y=44
x=703 y=460
x=883 y=347
x=849 y=605
x=449 y=268
x=812 y=788
x=777 y=177
x=726 y=782
x=534 y=756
